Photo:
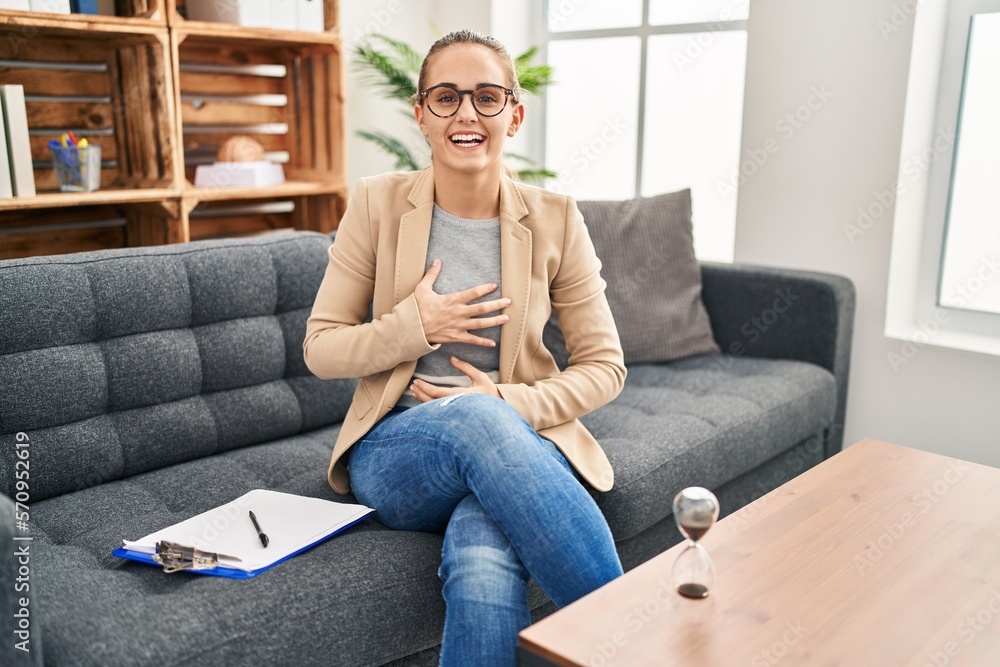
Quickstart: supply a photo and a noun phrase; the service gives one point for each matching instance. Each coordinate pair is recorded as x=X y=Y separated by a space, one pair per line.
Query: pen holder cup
x=77 y=169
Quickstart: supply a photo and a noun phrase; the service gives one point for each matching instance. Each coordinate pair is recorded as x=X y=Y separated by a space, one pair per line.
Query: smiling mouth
x=467 y=139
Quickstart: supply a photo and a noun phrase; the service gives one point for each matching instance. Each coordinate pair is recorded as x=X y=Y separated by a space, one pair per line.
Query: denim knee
x=479 y=553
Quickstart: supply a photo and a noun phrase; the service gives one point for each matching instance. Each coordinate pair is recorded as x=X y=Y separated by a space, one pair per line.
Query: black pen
x=260 y=533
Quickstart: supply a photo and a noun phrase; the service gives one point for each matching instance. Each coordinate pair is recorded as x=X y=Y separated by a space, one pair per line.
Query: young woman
x=462 y=423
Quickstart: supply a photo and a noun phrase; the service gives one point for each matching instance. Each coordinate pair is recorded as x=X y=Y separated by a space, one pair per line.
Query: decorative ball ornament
x=240 y=149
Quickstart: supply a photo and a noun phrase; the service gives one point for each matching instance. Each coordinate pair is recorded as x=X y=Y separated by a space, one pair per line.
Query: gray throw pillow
x=646 y=247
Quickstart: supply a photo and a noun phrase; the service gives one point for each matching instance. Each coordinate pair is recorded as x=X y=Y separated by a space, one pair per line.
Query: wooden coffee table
x=881 y=555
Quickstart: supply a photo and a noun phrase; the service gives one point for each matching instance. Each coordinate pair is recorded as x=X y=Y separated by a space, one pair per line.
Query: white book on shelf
x=238 y=175
x=19 y=5
x=285 y=14
x=15 y=120
x=50 y=6
x=6 y=189
x=311 y=15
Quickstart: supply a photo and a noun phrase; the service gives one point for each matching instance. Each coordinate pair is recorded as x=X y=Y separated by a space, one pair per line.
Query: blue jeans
x=508 y=503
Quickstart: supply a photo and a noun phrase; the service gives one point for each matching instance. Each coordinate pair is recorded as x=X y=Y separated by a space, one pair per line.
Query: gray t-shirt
x=469 y=251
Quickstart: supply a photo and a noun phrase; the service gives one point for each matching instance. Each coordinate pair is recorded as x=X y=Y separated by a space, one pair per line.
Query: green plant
x=392 y=67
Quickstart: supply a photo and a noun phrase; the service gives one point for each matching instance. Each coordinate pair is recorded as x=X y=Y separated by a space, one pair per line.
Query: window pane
x=969 y=272
x=591 y=117
x=567 y=15
x=674 y=12
x=694 y=115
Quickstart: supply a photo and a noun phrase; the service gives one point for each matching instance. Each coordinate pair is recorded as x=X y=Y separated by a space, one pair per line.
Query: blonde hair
x=470 y=37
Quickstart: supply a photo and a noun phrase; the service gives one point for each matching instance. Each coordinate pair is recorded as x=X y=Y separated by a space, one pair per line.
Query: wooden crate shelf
x=160 y=94
x=115 y=91
x=176 y=11
x=94 y=226
x=287 y=189
x=257 y=37
x=24 y=25
x=134 y=16
x=237 y=217
x=55 y=200
x=286 y=97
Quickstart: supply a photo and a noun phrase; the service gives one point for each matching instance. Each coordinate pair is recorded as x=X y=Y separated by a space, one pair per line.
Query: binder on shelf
x=6 y=187
x=102 y=7
x=311 y=15
x=19 y=5
x=285 y=14
x=15 y=120
x=83 y=6
x=292 y=524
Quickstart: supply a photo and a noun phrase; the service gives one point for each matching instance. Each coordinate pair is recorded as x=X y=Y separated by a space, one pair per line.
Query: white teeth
x=475 y=138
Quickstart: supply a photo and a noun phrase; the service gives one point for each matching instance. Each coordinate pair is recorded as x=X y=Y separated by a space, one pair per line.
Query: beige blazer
x=548 y=261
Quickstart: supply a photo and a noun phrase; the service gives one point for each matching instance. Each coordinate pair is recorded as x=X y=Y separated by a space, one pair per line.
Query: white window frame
x=937 y=66
x=544 y=36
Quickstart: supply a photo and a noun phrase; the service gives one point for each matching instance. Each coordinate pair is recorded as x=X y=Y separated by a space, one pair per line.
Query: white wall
x=793 y=210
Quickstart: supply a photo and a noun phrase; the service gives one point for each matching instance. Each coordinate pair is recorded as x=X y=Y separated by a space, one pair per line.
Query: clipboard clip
x=176 y=557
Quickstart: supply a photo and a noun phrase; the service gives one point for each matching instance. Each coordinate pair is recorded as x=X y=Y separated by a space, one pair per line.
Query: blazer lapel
x=515 y=270
x=414 y=234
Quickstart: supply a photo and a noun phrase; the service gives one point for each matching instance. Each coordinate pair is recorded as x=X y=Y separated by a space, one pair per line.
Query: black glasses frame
x=508 y=93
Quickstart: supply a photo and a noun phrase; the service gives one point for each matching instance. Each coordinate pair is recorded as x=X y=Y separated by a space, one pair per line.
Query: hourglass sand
x=695 y=510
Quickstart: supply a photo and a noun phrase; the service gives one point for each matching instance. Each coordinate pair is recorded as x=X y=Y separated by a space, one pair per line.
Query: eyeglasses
x=488 y=99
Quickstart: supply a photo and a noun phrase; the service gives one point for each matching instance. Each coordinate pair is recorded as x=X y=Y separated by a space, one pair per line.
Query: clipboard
x=293 y=524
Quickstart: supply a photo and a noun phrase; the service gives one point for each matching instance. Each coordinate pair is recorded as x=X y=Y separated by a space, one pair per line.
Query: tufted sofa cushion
x=141 y=358
x=703 y=421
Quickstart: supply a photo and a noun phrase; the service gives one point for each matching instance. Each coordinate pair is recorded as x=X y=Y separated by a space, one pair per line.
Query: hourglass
x=695 y=510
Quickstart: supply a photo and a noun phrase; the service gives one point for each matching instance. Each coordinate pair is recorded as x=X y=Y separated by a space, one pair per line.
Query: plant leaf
x=534 y=175
x=383 y=72
x=519 y=157
x=406 y=58
x=392 y=146
x=532 y=77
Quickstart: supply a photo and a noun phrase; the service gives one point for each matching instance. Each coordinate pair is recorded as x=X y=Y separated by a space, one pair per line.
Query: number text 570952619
x=22 y=543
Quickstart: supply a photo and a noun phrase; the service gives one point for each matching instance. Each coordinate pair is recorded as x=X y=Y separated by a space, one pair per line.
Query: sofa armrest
x=784 y=314
x=14 y=588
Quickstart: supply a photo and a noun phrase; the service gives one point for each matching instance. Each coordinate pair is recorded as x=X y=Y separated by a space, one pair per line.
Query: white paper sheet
x=290 y=522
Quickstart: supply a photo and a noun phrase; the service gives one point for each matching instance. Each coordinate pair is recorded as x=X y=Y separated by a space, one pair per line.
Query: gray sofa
x=151 y=384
